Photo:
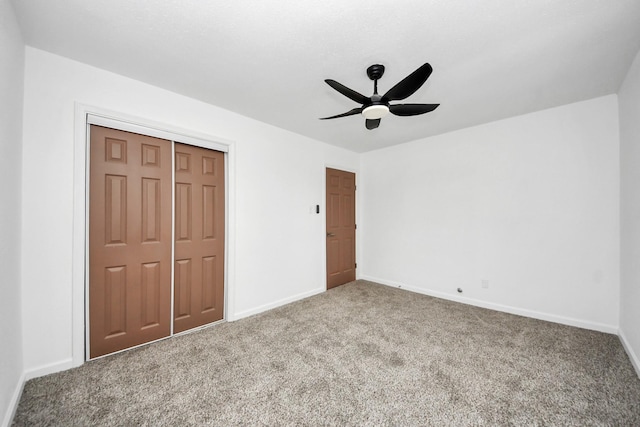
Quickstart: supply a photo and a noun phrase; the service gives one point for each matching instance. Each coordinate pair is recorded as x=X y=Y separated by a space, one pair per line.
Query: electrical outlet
x=485 y=284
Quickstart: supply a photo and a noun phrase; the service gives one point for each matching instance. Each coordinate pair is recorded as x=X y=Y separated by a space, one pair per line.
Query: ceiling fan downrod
x=375 y=72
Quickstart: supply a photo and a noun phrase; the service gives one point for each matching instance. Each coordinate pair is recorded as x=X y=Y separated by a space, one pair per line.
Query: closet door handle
x=331 y=235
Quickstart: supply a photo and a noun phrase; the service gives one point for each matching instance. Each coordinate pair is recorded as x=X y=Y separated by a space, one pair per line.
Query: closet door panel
x=199 y=237
x=129 y=240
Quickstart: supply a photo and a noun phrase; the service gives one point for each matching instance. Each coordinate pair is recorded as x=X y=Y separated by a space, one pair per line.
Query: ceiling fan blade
x=348 y=113
x=372 y=123
x=349 y=93
x=409 y=84
x=411 y=109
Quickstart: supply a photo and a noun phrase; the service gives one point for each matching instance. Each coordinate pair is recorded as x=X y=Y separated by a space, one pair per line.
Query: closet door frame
x=89 y=115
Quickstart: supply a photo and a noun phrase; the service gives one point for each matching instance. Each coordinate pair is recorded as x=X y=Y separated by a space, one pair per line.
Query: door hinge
x=356 y=265
x=356 y=226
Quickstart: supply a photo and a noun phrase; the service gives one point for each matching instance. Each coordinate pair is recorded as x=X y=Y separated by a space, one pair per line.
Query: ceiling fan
x=376 y=107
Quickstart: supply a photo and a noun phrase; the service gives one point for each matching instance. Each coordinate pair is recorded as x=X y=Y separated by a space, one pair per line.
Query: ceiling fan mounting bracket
x=375 y=71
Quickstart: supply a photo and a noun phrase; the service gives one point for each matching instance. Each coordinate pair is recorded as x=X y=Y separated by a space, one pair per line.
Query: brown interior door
x=341 y=227
x=129 y=240
x=199 y=237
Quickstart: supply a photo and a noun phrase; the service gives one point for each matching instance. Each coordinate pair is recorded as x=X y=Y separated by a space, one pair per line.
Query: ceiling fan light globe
x=374 y=112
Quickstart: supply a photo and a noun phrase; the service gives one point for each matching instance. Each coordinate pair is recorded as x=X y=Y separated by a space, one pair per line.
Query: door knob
x=331 y=235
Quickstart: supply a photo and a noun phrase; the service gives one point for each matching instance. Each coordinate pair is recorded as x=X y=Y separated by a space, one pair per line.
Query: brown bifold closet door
x=199 y=237
x=129 y=240
x=341 y=227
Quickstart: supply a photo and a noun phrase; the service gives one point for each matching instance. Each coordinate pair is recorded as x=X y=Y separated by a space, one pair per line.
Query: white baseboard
x=584 y=324
x=635 y=361
x=26 y=376
x=272 y=305
x=51 y=368
x=13 y=403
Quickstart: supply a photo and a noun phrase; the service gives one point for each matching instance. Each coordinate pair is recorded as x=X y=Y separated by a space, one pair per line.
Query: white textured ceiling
x=267 y=60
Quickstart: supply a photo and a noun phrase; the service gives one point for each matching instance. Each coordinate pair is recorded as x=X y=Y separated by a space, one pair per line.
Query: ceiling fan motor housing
x=377 y=108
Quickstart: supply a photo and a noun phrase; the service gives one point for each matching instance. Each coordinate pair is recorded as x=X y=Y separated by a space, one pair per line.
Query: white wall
x=629 y=107
x=279 y=244
x=530 y=204
x=11 y=86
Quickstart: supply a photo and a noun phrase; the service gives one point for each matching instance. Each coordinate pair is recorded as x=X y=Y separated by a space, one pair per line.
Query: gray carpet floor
x=359 y=354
